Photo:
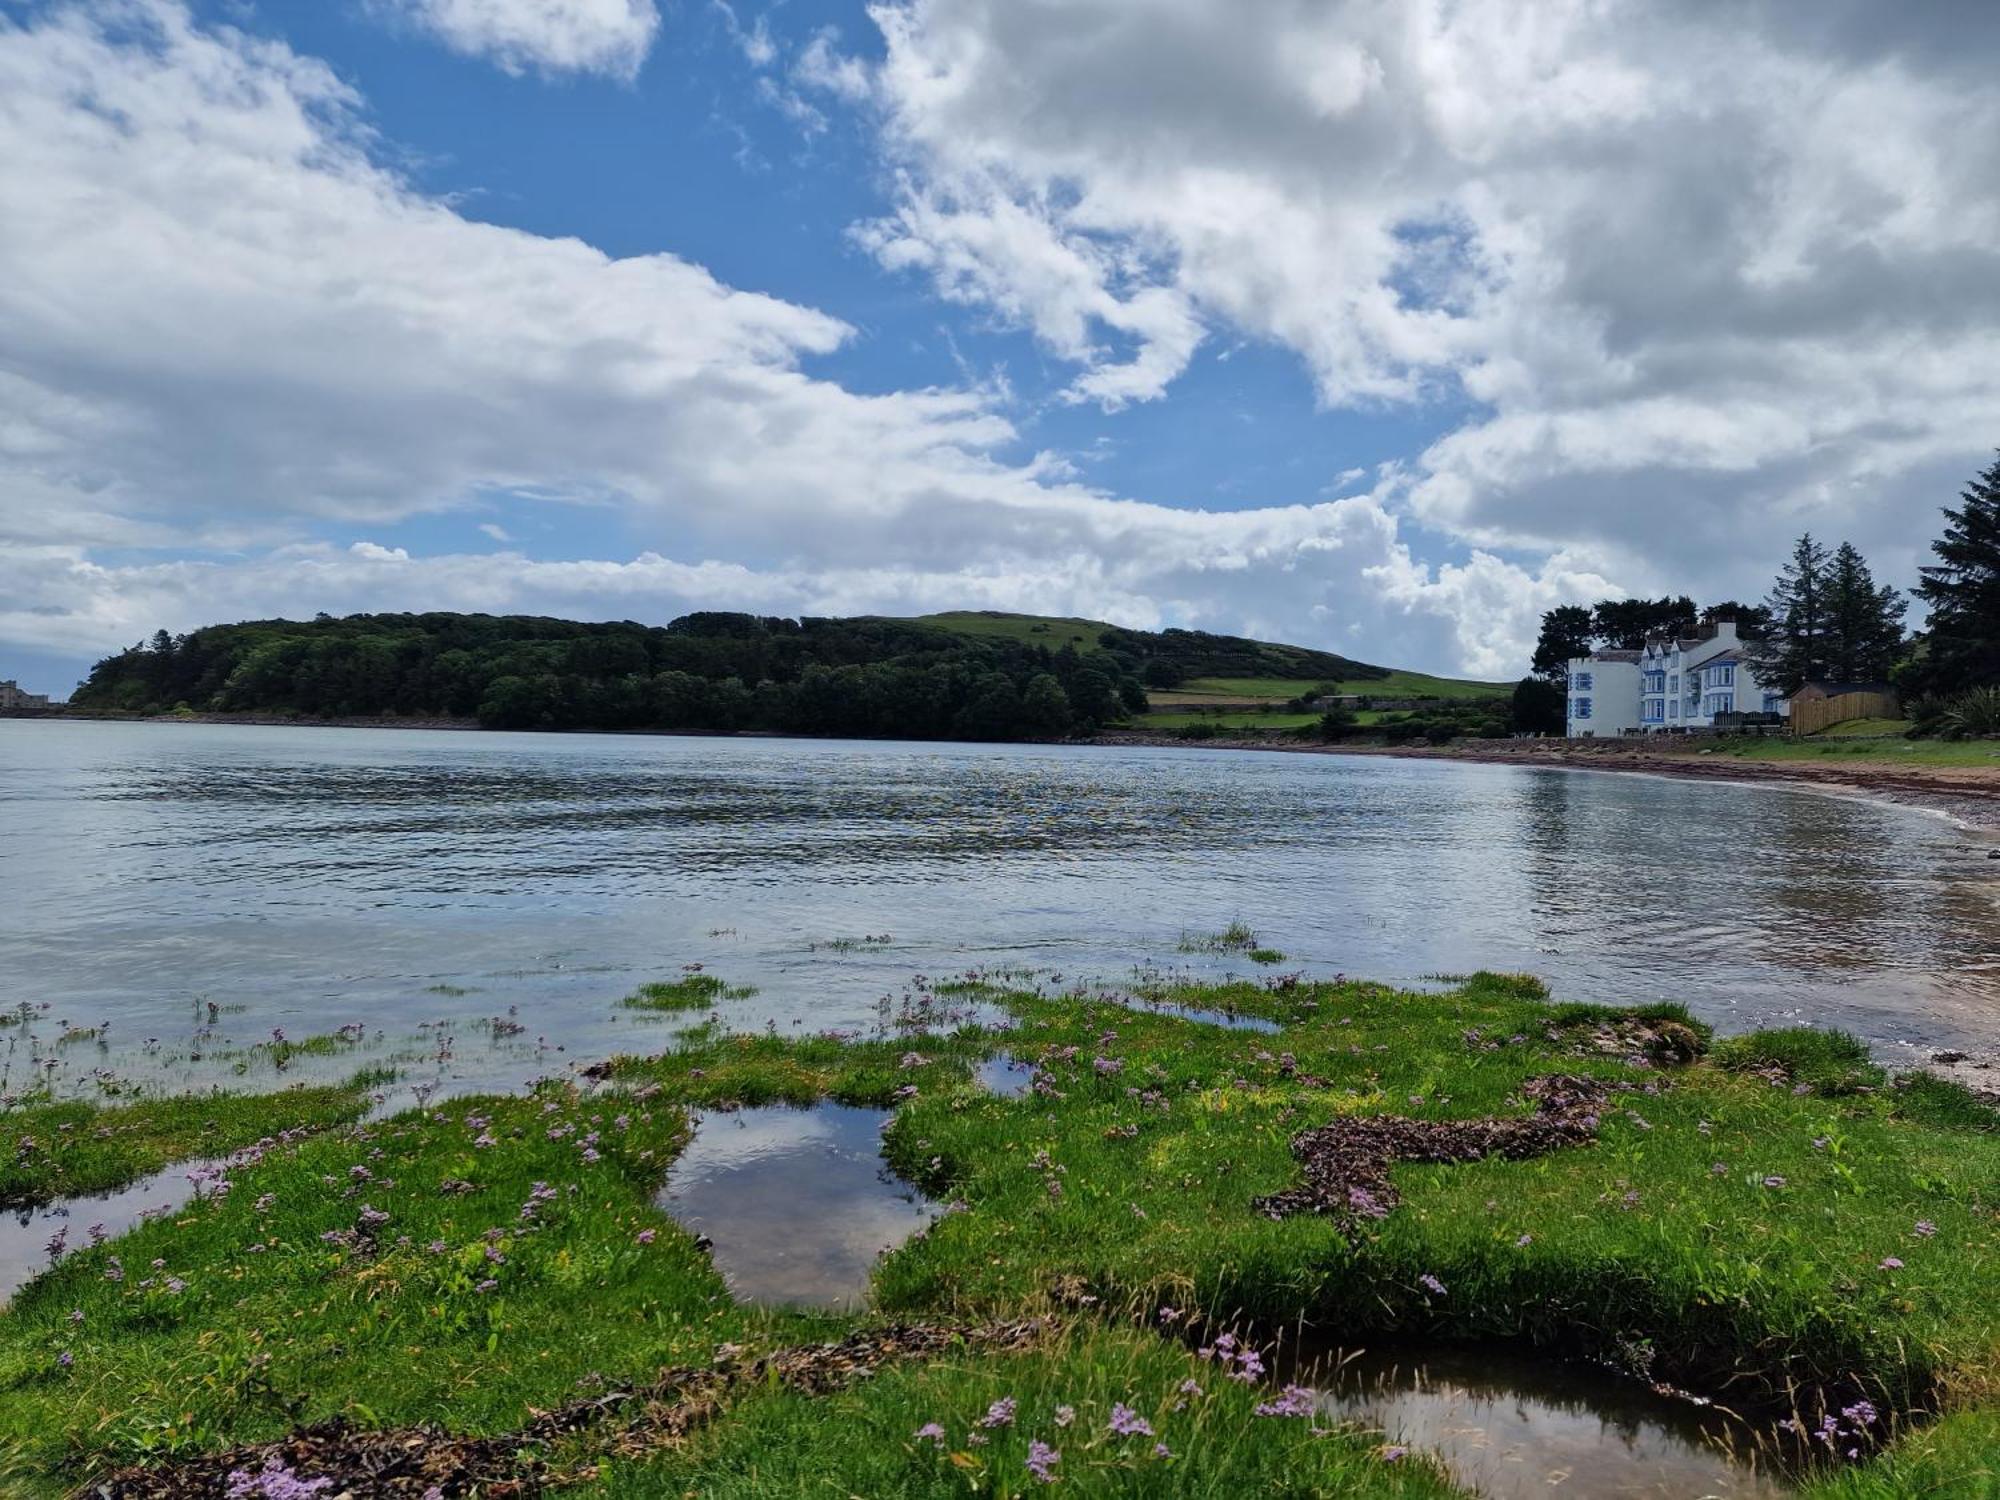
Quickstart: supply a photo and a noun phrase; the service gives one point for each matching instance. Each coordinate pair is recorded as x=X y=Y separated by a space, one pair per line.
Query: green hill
x=1192 y=666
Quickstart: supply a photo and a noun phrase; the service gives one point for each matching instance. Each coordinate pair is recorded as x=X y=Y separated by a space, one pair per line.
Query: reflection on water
x=797 y=1203
x=303 y=878
x=1510 y=1428
x=26 y=1233
x=1005 y=1076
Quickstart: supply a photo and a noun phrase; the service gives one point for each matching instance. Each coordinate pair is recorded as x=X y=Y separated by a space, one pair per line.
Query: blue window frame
x=1583 y=708
x=1724 y=676
x=1580 y=682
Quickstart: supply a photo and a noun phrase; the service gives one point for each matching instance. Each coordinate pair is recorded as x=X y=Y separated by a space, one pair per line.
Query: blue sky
x=1373 y=326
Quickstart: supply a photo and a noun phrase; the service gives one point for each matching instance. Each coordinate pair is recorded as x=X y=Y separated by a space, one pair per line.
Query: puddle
x=1508 y=1426
x=1005 y=1076
x=25 y=1233
x=797 y=1203
x=1234 y=1020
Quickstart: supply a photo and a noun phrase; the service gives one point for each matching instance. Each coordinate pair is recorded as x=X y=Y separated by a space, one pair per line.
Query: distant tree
x=1540 y=707
x=1627 y=624
x=994 y=712
x=1337 y=723
x=1864 y=622
x=1566 y=633
x=1794 y=648
x=1045 y=707
x=1962 y=590
x=1752 y=620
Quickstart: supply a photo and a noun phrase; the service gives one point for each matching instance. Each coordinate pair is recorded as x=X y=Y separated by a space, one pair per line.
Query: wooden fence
x=1810 y=715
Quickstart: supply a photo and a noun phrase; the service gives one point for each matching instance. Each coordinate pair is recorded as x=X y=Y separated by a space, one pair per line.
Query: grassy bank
x=1773 y=1224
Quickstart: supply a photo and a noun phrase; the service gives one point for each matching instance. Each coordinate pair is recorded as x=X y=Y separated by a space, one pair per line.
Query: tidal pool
x=27 y=1233
x=1005 y=1075
x=797 y=1204
x=1509 y=1427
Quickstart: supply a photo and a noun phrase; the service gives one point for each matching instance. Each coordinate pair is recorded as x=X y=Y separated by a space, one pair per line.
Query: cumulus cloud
x=1700 y=275
x=549 y=36
x=229 y=327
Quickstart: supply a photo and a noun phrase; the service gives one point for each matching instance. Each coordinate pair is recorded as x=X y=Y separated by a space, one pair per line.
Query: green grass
x=1395 y=685
x=1053 y=631
x=694 y=991
x=1864 y=728
x=1237 y=937
x=54 y=1150
x=1121 y=1187
x=1839 y=750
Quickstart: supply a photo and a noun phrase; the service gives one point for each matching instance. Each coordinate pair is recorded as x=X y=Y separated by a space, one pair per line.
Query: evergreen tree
x=1629 y=623
x=1864 y=622
x=1539 y=707
x=1566 y=633
x=1963 y=591
x=1794 y=647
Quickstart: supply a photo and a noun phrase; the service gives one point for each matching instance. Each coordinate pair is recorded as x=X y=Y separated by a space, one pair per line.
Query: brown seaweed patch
x=399 y=1463
x=1346 y=1164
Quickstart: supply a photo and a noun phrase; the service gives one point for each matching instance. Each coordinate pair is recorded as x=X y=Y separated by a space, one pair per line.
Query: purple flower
x=930 y=1432
x=1296 y=1401
x=176 y=1285
x=1393 y=1453
x=1525 y=1240
x=275 y=1481
x=1890 y=1263
x=1161 y=1450
x=1042 y=1460
x=1774 y=1181
x=1190 y=1388
x=647 y=1236
x=1431 y=1284
x=1924 y=1229
x=999 y=1414
x=65 y=1359
x=1128 y=1423
x=1718 y=1169
x=1065 y=1415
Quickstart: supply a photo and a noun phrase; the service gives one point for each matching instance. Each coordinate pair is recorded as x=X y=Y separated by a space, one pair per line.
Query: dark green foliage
x=710 y=672
x=1795 y=650
x=1828 y=1062
x=1864 y=621
x=692 y=991
x=1962 y=590
x=1539 y=707
x=1627 y=624
x=1566 y=633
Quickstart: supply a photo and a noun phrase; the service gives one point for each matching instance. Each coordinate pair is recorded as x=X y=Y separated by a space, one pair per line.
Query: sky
x=1378 y=325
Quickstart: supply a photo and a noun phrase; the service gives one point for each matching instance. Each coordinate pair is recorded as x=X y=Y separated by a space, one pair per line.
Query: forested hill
x=974 y=676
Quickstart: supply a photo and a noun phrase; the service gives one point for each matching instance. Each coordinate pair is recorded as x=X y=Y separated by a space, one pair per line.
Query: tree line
x=710 y=671
x=1824 y=619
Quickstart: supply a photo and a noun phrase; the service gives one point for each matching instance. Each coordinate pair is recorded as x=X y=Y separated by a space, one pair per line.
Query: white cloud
x=229 y=328
x=1705 y=274
x=549 y=36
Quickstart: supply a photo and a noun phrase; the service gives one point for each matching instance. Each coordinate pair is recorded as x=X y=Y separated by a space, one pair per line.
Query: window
x=1656 y=682
x=1674 y=709
x=1580 y=682
x=1675 y=685
x=1720 y=703
x=1723 y=676
x=1774 y=703
x=1583 y=708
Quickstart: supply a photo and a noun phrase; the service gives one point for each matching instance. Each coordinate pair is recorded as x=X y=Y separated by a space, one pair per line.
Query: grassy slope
x=1395 y=685
x=1053 y=631
x=1130 y=1183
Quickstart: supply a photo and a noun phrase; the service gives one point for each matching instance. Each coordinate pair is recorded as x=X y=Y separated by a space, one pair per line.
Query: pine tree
x=1794 y=647
x=1963 y=591
x=1864 y=622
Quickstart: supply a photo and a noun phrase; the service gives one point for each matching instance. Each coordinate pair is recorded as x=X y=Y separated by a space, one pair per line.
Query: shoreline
x=1969 y=797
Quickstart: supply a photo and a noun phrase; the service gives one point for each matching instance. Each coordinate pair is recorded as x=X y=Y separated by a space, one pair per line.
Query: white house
x=1673 y=684
x=1604 y=694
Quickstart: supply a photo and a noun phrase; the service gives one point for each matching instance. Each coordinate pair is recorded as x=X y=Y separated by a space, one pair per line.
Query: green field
x=1838 y=748
x=1053 y=631
x=1395 y=685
